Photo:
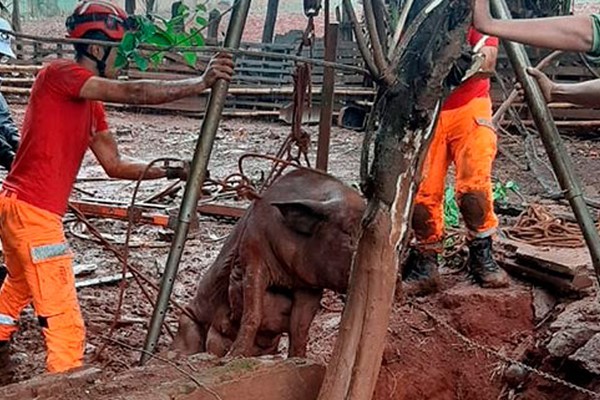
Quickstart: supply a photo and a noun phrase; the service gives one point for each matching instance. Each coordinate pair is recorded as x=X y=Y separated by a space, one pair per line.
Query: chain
x=502 y=357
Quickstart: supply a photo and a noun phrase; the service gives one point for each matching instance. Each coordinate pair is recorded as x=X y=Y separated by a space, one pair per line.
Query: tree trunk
x=407 y=119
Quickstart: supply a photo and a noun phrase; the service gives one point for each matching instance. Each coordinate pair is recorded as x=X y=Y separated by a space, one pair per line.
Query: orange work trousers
x=464 y=136
x=40 y=271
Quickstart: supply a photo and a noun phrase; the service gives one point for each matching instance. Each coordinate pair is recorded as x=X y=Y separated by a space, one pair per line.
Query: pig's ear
x=302 y=216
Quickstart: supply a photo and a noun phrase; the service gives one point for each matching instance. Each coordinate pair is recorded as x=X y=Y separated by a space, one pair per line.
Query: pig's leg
x=190 y=338
x=255 y=284
x=305 y=305
x=217 y=343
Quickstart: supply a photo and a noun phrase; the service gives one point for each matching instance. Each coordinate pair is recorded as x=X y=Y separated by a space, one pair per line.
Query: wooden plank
x=562 y=284
x=103 y=280
x=561 y=260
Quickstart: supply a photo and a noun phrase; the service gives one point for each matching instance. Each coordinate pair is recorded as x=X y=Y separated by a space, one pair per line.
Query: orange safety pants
x=39 y=264
x=464 y=136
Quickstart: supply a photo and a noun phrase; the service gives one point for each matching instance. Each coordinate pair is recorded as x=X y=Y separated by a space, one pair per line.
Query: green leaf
x=183 y=39
x=183 y=9
x=195 y=39
x=179 y=20
x=161 y=39
x=147 y=27
x=201 y=21
x=161 y=19
x=121 y=61
x=140 y=61
x=451 y=210
x=128 y=43
x=190 y=58
x=201 y=7
x=198 y=40
x=157 y=58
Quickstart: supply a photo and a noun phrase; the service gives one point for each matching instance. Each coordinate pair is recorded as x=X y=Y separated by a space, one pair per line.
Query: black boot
x=420 y=272
x=6 y=367
x=484 y=268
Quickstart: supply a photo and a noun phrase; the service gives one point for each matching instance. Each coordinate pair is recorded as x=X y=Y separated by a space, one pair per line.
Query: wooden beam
x=270 y=20
x=205 y=379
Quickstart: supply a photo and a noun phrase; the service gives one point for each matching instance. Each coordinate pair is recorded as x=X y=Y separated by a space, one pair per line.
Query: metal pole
x=195 y=181
x=269 y=29
x=560 y=159
x=327 y=98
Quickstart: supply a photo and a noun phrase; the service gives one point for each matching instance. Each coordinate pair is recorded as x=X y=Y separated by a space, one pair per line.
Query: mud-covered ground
x=501 y=319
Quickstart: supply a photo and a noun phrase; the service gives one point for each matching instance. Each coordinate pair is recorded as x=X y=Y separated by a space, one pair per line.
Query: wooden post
x=346 y=33
x=32 y=8
x=179 y=27
x=327 y=97
x=36 y=52
x=214 y=20
x=150 y=6
x=16 y=16
x=130 y=6
x=269 y=29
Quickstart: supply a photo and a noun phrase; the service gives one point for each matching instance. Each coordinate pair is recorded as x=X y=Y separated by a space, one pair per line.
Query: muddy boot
x=484 y=268
x=6 y=367
x=420 y=273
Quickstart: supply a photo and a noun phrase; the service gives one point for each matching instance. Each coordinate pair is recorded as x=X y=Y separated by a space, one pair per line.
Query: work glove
x=179 y=172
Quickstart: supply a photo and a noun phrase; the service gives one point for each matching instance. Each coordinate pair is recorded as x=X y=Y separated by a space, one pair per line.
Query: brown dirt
x=422 y=359
x=425 y=361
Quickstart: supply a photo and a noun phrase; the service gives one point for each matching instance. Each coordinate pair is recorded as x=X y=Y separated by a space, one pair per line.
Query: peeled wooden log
x=407 y=119
x=200 y=379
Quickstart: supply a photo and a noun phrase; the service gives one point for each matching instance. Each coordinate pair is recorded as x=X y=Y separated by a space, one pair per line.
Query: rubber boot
x=484 y=268
x=6 y=367
x=420 y=274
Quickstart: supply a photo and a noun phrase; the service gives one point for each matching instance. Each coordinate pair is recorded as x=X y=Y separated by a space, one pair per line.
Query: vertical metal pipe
x=560 y=159
x=195 y=181
x=269 y=29
x=327 y=98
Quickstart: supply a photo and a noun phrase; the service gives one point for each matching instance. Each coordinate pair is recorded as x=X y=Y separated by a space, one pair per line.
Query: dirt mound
x=424 y=360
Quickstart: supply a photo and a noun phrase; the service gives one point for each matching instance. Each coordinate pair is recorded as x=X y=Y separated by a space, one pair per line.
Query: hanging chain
x=494 y=353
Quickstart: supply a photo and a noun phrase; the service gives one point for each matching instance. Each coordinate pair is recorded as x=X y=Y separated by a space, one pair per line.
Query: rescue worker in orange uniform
x=64 y=118
x=464 y=137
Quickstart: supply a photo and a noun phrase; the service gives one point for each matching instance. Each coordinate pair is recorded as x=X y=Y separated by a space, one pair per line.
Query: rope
x=298 y=137
x=538 y=227
x=494 y=353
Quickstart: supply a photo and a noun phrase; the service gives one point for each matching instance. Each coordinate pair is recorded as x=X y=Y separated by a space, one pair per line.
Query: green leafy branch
x=501 y=191
x=183 y=29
